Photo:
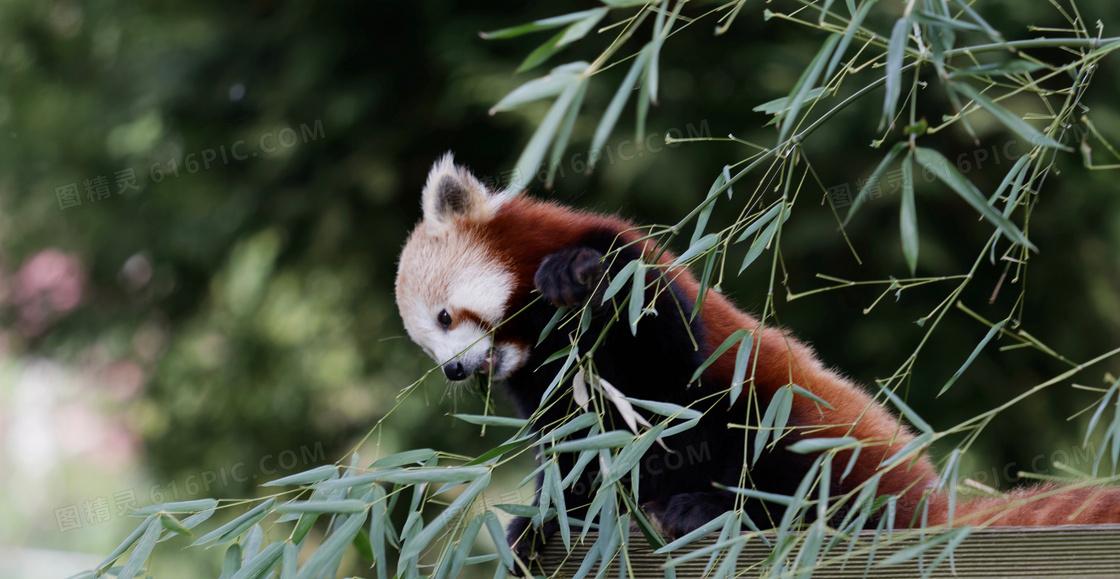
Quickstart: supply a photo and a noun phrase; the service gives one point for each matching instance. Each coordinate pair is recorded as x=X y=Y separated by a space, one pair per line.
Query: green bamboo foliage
x=879 y=44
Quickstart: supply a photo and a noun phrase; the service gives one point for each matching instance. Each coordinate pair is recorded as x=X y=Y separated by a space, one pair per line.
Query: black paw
x=687 y=512
x=655 y=512
x=569 y=276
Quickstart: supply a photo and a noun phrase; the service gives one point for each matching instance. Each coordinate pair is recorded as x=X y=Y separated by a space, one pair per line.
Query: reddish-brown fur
x=524 y=231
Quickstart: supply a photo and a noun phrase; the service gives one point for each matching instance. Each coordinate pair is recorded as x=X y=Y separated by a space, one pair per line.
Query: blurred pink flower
x=45 y=288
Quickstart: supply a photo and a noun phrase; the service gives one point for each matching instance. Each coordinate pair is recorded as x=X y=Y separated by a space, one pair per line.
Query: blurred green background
x=218 y=310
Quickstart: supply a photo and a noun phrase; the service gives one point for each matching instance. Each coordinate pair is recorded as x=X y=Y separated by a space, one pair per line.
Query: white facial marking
x=451 y=270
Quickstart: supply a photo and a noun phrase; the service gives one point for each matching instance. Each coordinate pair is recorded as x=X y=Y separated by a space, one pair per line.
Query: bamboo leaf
x=698 y=247
x=407 y=457
x=492 y=420
x=1100 y=410
x=519 y=510
x=849 y=32
x=813 y=445
x=565 y=352
x=1008 y=118
x=805 y=85
x=937 y=164
x=851 y=463
x=304 y=525
x=230 y=530
x=177 y=507
x=530 y=160
x=542 y=53
x=918 y=442
x=251 y=544
x=413 y=548
x=537 y=25
x=938 y=20
x=1012 y=176
x=378 y=516
x=614 y=109
x=873 y=181
x=572 y=355
x=709 y=205
x=896 y=50
x=612 y=439
x=435 y=474
x=661 y=31
x=729 y=341
x=760 y=495
x=584 y=459
x=343 y=506
x=763 y=240
x=971 y=357
x=231 y=563
x=556 y=317
x=585 y=420
x=637 y=298
x=124 y=546
x=806 y=394
x=143 y=549
x=697 y=534
x=172 y=524
x=497 y=451
x=629 y=456
x=580 y=28
x=958 y=537
x=921 y=547
x=463 y=549
x=552 y=478
x=642 y=108
x=544 y=87
x=907 y=411
x=192 y=522
x=289 y=561
x=686 y=425
x=256 y=566
x=619 y=280
x=760 y=222
x=499 y=538
x=780 y=105
x=314 y=475
x=580 y=392
x=565 y=132
x=908 y=217
x=778 y=410
x=621 y=404
x=742 y=356
x=1017 y=66
x=333 y=547
x=950 y=476
x=666 y=409
x=992 y=32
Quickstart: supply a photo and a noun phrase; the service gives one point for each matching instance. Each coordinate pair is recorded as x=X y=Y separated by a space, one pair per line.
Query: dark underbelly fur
x=675 y=488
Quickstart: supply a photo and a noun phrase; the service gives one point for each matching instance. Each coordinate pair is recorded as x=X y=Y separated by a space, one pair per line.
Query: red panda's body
x=512 y=250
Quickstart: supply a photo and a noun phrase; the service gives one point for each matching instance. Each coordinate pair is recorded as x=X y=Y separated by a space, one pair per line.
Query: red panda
x=482 y=275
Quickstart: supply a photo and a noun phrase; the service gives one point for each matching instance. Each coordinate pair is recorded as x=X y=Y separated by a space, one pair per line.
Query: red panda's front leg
x=567 y=277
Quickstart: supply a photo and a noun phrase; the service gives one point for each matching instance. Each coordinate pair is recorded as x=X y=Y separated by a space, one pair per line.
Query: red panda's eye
x=444 y=319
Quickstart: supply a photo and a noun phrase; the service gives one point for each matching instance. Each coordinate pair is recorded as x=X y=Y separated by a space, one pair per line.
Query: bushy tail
x=1043 y=506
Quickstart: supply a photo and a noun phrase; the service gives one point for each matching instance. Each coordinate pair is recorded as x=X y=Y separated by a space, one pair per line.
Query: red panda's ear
x=452 y=192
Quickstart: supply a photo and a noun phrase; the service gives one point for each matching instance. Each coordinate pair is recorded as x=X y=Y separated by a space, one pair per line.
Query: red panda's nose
x=454 y=371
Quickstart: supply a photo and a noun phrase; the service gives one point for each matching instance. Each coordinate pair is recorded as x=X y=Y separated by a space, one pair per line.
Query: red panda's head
x=452 y=288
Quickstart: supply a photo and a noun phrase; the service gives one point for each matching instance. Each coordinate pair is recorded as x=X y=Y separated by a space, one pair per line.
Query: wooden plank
x=1063 y=551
